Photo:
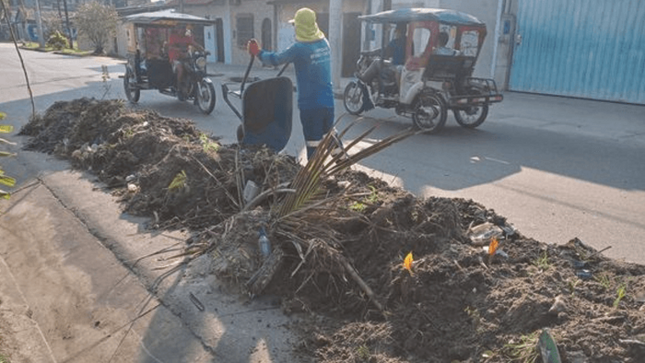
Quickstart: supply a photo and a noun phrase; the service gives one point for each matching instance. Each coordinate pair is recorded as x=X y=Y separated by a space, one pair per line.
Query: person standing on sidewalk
x=311 y=56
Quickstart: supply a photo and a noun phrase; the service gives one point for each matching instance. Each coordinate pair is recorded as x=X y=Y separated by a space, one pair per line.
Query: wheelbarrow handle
x=283 y=69
x=225 y=92
x=246 y=74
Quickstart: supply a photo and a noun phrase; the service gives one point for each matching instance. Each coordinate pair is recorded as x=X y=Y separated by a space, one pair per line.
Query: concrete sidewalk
x=84 y=282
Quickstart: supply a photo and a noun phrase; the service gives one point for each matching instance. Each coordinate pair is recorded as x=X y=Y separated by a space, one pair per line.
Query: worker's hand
x=253 y=47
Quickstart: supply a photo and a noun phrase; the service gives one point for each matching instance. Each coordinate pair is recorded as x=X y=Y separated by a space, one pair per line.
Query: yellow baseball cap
x=306 y=28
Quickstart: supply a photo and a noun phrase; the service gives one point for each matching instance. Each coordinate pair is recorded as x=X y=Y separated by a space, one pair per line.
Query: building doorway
x=267 y=34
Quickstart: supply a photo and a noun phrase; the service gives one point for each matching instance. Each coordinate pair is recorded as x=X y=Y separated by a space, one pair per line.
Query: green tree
x=97 y=23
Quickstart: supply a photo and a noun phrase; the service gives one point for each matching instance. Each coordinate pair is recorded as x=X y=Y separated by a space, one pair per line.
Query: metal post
x=335 y=40
x=69 y=31
x=39 y=21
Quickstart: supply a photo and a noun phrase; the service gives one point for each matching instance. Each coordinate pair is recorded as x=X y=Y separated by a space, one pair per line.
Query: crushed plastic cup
x=584 y=274
x=251 y=190
x=484 y=233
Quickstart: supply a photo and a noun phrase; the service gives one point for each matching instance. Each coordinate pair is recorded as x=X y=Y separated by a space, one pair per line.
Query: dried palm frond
x=301 y=215
x=327 y=162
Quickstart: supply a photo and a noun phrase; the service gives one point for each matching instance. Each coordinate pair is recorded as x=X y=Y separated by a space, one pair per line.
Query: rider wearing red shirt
x=178 y=43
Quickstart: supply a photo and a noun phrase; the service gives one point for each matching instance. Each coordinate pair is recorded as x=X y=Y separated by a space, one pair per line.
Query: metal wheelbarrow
x=267 y=110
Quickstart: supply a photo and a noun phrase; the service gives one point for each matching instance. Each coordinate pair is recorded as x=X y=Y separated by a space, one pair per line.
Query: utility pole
x=387 y=5
x=335 y=40
x=39 y=21
x=69 y=31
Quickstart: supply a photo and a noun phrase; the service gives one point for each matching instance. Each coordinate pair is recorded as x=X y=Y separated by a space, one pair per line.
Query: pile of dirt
x=461 y=299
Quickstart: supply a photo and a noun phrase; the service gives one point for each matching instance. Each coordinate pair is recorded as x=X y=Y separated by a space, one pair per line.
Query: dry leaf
x=407 y=263
x=492 y=248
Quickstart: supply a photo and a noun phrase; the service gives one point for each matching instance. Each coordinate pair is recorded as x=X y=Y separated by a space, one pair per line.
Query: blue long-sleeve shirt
x=313 y=72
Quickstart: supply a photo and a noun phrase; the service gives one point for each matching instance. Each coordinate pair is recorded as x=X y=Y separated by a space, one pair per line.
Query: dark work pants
x=315 y=124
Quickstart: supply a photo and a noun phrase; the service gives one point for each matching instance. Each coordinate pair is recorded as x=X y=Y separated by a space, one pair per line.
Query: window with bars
x=244 y=29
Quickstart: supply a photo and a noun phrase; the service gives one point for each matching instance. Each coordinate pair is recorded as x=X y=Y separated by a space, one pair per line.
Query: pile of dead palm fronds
x=299 y=218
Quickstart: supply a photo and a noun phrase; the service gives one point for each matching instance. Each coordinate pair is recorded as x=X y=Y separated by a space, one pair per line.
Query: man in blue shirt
x=396 y=48
x=311 y=56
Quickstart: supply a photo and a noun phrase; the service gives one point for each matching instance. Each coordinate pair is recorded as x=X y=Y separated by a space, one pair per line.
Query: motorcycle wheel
x=131 y=93
x=353 y=98
x=205 y=94
x=429 y=113
x=473 y=116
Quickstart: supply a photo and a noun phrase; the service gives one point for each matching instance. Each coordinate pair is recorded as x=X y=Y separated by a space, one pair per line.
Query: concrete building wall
x=259 y=10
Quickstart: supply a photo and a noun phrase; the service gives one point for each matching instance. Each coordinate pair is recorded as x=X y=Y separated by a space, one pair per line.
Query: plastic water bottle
x=263 y=243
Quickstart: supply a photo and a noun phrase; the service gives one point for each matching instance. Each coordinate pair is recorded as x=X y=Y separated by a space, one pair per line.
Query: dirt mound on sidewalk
x=458 y=300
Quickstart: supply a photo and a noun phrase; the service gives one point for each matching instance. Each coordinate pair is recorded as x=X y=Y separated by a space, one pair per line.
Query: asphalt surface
x=558 y=168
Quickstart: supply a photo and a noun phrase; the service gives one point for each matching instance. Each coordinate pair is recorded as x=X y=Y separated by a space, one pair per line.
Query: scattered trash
x=584 y=274
x=251 y=190
x=559 y=305
x=495 y=249
x=484 y=233
x=264 y=244
x=548 y=348
x=198 y=304
x=578 y=265
x=133 y=188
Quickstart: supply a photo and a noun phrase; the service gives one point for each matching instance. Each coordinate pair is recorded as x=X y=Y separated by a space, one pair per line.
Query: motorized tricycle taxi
x=149 y=67
x=440 y=48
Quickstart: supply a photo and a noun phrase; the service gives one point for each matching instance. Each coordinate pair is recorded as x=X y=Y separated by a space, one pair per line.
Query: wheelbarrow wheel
x=205 y=95
x=132 y=93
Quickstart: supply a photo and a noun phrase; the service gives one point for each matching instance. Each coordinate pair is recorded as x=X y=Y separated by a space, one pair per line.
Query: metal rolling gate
x=581 y=48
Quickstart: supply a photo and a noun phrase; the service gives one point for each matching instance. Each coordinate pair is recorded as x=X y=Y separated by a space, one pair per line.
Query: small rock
x=577 y=357
x=559 y=305
x=563 y=316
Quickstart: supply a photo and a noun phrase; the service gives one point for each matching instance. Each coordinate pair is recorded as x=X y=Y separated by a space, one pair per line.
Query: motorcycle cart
x=148 y=66
x=267 y=110
x=434 y=78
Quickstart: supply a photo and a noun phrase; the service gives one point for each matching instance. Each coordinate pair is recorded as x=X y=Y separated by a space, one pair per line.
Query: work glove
x=253 y=47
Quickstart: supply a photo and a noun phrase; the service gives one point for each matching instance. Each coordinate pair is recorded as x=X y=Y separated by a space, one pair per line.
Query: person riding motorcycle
x=178 y=42
x=395 y=51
